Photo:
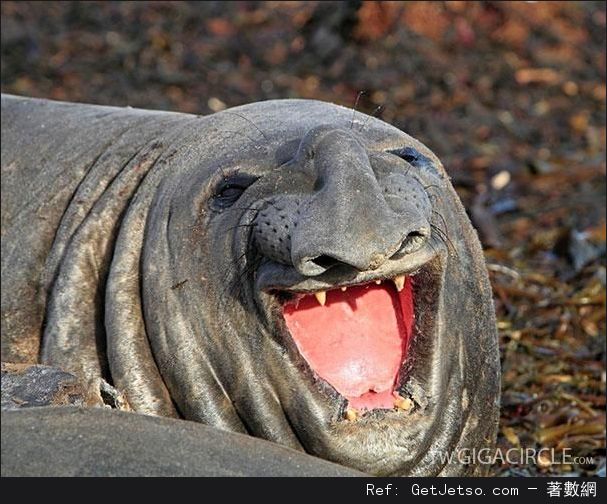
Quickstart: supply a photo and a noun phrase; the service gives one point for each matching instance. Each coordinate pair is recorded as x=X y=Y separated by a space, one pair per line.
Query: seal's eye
x=410 y=155
x=230 y=193
x=415 y=159
x=230 y=189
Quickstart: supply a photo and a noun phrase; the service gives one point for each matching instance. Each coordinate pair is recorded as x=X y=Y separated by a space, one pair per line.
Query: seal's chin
x=356 y=339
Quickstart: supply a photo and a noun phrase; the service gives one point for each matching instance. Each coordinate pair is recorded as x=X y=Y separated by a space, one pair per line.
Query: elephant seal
x=290 y=269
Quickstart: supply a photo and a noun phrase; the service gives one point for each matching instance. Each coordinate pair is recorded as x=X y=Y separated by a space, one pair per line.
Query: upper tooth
x=377 y=282
x=399 y=281
x=321 y=297
x=344 y=288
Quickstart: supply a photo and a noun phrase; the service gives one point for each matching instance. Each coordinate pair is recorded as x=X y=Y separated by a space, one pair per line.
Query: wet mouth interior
x=356 y=339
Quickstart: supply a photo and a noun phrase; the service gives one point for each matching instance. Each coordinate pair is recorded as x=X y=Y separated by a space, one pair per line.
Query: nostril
x=325 y=261
x=417 y=234
x=413 y=241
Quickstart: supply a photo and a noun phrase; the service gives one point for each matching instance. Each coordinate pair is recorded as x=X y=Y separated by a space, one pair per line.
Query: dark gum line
x=294 y=295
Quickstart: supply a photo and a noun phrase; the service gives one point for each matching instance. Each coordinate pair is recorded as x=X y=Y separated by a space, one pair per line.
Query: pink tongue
x=355 y=342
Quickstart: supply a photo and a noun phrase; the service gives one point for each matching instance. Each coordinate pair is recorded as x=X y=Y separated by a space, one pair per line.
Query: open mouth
x=356 y=339
x=366 y=335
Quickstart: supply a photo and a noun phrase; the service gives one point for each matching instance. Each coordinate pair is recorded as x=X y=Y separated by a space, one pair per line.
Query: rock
x=33 y=385
x=576 y=247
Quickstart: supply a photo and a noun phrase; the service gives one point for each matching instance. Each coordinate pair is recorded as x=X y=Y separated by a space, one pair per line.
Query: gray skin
x=127 y=444
x=139 y=247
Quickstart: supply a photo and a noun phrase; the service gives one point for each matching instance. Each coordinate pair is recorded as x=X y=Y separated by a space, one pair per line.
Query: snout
x=350 y=217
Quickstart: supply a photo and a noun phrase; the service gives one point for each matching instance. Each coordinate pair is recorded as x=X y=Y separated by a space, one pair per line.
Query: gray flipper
x=69 y=441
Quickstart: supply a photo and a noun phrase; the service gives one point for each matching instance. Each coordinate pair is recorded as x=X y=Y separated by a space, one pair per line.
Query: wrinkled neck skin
x=190 y=276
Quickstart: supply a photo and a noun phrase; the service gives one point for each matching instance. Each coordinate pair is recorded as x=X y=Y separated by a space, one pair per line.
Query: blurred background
x=510 y=95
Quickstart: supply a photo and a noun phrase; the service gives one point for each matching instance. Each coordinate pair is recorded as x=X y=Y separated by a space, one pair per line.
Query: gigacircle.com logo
x=513 y=456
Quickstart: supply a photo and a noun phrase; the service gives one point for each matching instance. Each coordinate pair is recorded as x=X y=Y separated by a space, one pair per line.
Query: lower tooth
x=352 y=414
x=403 y=403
